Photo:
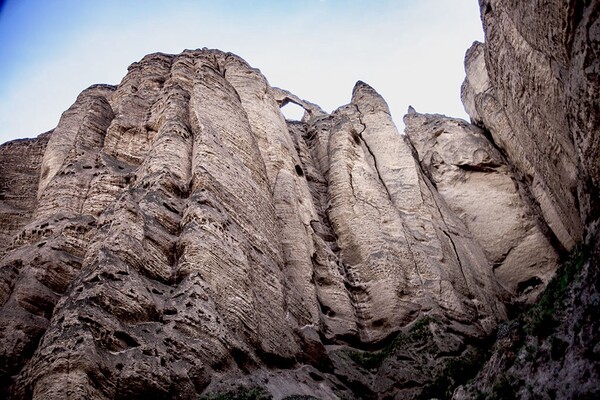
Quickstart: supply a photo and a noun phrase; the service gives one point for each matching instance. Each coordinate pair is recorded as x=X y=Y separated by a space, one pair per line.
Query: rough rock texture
x=534 y=86
x=539 y=147
x=176 y=237
x=19 y=178
x=186 y=238
x=550 y=351
x=480 y=188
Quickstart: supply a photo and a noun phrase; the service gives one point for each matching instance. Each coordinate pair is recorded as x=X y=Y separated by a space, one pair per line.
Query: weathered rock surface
x=542 y=153
x=534 y=86
x=19 y=178
x=185 y=237
x=551 y=350
x=478 y=185
x=175 y=236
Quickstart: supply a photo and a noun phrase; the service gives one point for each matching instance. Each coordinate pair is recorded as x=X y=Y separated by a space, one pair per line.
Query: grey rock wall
x=533 y=86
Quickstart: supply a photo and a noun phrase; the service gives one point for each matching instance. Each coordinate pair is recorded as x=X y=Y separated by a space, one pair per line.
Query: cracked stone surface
x=478 y=185
x=185 y=237
x=174 y=236
x=534 y=87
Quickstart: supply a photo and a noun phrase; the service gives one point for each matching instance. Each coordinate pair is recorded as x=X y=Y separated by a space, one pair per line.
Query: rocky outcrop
x=19 y=178
x=176 y=237
x=534 y=86
x=479 y=186
x=551 y=350
x=185 y=237
x=543 y=155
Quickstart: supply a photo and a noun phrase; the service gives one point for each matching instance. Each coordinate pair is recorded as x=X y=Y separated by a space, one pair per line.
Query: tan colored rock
x=541 y=153
x=186 y=237
x=540 y=105
x=478 y=185
x=19 y=176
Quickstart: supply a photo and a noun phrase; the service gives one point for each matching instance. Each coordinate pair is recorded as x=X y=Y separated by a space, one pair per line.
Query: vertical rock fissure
x=186 y=186
x=434 y=201
x=327 y=233
x=360 y=135
x=364 y=128
x=352 y=276
x=460 y=266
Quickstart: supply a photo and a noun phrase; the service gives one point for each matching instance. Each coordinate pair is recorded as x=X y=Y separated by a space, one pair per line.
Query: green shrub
x=542 y=318
x=417 y=334
x=457 y=371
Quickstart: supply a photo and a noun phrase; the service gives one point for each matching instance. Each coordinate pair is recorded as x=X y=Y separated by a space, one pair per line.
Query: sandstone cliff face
x=19 y=178
x=175 y=236
x=542 y=152
x=534 y=86
x=480 y=188
x=185 y=237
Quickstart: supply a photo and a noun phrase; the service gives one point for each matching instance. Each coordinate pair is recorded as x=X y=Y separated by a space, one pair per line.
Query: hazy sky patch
x=410 y=51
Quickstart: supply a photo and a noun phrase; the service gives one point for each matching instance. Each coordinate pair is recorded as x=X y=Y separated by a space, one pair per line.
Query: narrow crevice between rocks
x=360 y=135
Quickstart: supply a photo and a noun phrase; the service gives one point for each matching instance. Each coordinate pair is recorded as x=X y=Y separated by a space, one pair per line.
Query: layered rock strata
x=19 y=179
x=534 y=87
x=175 y=236
x=185 y=236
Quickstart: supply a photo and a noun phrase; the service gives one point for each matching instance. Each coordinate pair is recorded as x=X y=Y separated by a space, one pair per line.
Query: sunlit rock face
x=479 y=186
x=184 y=236
x=174 y=236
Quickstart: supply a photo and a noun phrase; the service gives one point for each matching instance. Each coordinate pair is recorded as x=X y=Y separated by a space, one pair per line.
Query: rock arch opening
x=292 y=111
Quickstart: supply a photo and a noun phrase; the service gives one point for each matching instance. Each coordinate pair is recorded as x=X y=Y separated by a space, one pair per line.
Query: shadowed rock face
x=19 y=179
x=534 y=87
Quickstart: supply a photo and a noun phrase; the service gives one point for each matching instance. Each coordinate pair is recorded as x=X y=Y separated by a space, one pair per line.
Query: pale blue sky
x=411 y=51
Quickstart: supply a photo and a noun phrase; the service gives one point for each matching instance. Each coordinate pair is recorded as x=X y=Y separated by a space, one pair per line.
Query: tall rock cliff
x=175 y=237
x=534 y=88
x=185 y=236
x=480 y=187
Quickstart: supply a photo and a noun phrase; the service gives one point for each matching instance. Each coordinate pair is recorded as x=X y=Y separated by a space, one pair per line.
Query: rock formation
x=480 y=188
x=534 y=86
x=185 y=236
x=174 y=236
